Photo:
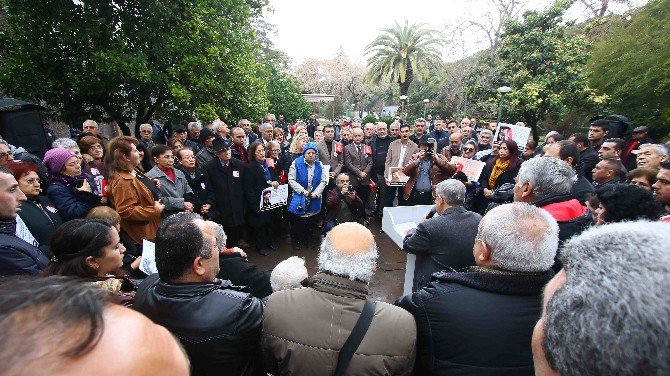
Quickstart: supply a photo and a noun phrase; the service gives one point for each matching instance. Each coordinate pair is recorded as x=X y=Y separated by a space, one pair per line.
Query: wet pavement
x=387 y=282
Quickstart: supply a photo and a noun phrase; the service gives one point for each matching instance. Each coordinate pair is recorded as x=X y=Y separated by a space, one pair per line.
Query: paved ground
x=387 y=282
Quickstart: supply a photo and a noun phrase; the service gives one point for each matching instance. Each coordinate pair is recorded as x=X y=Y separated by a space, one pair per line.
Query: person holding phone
x=73 y=192
x=343 y=204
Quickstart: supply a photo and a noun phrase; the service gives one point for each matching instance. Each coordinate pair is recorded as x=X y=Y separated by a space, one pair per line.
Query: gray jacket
x=443 y=242
x=172 y=192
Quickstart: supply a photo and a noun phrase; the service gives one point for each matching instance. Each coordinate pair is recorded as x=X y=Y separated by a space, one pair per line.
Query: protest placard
x=273 y=198
x=397 y=178
x=512 y=132
x=471 y=168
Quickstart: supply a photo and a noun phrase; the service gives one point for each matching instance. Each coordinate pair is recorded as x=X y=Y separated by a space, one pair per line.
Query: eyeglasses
x=188 y=157
x=33 y=181
x=275 y=150
x=468 y=149
x=6 y=154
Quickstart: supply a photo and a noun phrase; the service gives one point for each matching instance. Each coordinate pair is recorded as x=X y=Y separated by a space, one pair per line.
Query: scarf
x=498 y=168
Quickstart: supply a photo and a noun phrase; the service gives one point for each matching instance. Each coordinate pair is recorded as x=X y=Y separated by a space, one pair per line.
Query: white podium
x=395 y=222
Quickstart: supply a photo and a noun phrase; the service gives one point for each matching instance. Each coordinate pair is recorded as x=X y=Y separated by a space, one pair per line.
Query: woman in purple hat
x=73 y=192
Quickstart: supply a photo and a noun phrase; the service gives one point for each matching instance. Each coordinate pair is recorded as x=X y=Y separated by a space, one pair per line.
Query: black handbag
x=503 y=194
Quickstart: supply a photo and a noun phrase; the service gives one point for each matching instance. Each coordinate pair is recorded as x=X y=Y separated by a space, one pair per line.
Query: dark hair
x=618 y=143
x=159 y=150
x=43 y=318
x=628 y=202
x=592 y=199
x=86 y=142
x=118 y=147
x=76 y=240
x=178 y=153
x=21 y=168
x=251 y=151
x=643 y=172
x=665 y=165
x=147 y=162
x=556 y=137
x=567 y=149
x=179 y=241
x=404 y=126
x=615 y=165
x=328 y=126
x=173 y=140
x=514 y=160
x=581 y=138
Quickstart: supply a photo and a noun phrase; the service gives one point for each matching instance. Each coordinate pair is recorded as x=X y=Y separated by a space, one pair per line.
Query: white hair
x=217 y=123
x=547 y=176
x=612 y=315
x=353 y=266
x=486 y=132
x=264 y=126
x=452 y=192
x=288 y=274
x=521 y=237
x=64 y=143
x=194 y=125
x=660 y=150
x=90 y=122
x=219 y=234
x=144 y=126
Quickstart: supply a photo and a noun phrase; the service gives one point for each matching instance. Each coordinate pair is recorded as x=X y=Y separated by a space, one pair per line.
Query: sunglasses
x=468 y=149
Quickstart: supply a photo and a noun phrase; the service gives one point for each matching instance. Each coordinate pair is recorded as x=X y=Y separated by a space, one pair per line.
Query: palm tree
x=402 y=53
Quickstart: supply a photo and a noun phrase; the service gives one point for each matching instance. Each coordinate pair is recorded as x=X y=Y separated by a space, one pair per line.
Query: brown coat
x=440 y=170
x=353 y=165
x=135 y=204
x=393 y=155
x=303 y=330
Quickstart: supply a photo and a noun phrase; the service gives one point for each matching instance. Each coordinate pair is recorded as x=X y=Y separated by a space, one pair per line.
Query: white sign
x=148 y=264
x=397 y=178
x=512 y=132
x=471 y=168
x=273 y=198
x=22 y=232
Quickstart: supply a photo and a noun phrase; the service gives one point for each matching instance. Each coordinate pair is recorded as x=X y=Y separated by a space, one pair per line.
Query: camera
x=431 y=146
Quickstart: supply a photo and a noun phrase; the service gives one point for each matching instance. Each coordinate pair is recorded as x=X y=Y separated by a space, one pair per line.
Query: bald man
x=59 y=326
x=303 y=326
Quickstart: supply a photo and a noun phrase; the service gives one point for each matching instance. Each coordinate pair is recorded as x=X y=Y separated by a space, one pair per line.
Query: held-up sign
x=471 y=168
x=273 y=198
x=396 y=177
x=512 y=132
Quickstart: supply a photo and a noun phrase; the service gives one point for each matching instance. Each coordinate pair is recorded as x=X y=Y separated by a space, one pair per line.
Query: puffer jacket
x=16 y=255
x=304 y=329
x=218 y=325
x=477 y=323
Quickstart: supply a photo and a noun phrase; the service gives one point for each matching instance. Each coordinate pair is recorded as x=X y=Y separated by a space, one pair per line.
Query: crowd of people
x=553 y=261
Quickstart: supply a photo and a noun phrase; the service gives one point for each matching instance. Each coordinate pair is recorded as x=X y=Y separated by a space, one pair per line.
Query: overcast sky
x=318 y=28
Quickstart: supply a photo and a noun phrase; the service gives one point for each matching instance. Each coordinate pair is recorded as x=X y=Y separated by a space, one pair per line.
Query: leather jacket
x=218 y=325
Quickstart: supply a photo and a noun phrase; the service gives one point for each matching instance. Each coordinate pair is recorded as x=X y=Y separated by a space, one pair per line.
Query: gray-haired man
x=480 y=321
x=445 y=241
x=606 y=312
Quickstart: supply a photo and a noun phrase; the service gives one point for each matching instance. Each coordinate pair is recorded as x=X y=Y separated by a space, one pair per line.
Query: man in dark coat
x=546 y=183
x=16 y=255
x=445 y=241
x=480 y=322
x=588 y=156
x=218 y=324
x=225 y=193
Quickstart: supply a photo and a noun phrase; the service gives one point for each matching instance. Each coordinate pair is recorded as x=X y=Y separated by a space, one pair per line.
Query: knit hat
x=310 y=145
x=56 y=158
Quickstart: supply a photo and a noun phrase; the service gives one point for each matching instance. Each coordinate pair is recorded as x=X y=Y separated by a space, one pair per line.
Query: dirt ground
x=387 y=282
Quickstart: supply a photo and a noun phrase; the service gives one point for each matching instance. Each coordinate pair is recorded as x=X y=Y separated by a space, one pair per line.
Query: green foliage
x=402 y=53
x=369 y=119
x=631 y=64
x=544 y=67
x=118 y=60
x=284 y=95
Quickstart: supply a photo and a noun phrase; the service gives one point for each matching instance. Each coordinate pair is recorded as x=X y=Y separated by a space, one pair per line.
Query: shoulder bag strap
x=355 y=338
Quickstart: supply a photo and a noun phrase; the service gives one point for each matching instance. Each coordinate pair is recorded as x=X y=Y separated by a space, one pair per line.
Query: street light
x=502 y=90
x=425 y=107
x=403 y=99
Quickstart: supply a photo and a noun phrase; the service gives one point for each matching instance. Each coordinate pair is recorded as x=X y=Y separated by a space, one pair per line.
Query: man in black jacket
x=380 y=147
x=218 y=324
x=16 y=255
x=445 y=241
x=224 y=184
x=480 y=322
x=588 y=157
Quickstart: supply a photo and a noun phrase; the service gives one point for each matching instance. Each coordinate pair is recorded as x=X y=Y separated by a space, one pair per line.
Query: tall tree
x=545 y=67
x=125 y=60
x=632 y=62
x=402 y=53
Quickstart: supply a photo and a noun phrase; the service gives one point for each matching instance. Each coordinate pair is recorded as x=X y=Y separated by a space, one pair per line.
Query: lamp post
x=502 y=90
x=425 y=107
x=403 y=105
